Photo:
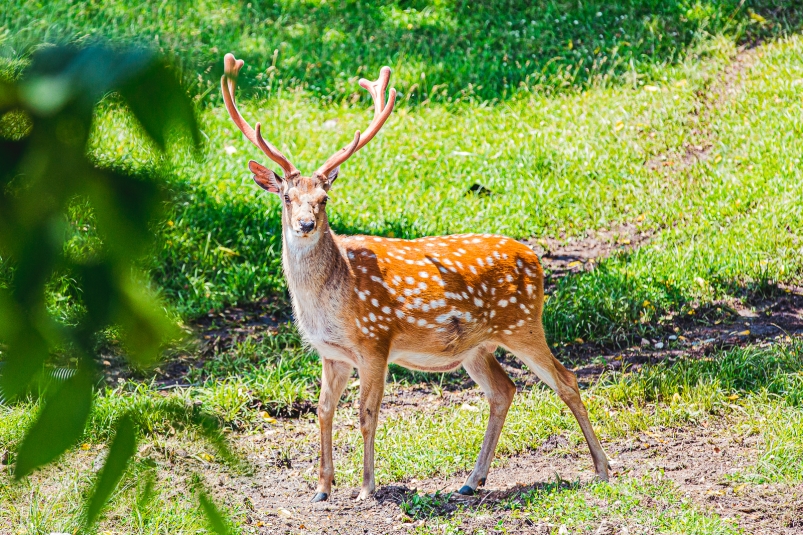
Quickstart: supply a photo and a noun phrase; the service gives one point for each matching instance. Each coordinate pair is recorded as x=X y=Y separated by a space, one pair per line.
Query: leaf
x=122 y=449
x=160 y=104
x=58 y=426
x=216 y=521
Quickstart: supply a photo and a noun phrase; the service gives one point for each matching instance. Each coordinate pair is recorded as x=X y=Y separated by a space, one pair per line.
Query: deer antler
x=377 y=90
x=228 y=84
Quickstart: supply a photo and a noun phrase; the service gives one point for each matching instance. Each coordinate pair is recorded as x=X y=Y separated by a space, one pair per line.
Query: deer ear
x=331 y=177
x=265 y=178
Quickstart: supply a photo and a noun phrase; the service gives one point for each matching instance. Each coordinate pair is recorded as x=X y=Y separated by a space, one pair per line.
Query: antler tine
x=339 y=157
x=381 y=113
x=228 y=85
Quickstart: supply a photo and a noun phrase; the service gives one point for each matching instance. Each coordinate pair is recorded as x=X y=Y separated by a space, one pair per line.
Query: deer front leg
x=499 y=389
x=372 y=388
x=333 y=382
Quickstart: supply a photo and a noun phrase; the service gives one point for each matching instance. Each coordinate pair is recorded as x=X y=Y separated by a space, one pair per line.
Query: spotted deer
x=431 y=304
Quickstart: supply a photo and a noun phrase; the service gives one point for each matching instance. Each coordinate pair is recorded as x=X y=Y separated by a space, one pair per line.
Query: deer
x=430 y=304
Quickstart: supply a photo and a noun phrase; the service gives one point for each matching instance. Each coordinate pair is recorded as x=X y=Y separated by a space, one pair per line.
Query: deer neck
x=317 y=273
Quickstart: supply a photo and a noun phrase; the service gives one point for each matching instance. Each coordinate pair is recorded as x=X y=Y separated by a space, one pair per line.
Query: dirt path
x=699 y=461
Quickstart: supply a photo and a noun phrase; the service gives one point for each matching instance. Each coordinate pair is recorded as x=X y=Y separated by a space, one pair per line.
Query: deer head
x=303 y=198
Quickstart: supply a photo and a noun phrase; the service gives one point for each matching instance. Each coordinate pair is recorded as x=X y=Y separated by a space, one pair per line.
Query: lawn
x=670 y=132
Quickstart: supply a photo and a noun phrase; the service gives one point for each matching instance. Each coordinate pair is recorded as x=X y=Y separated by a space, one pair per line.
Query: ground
x=650 y=154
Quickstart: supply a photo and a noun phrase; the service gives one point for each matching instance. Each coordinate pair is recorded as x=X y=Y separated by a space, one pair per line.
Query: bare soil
x=699 y=461
x=580 y=253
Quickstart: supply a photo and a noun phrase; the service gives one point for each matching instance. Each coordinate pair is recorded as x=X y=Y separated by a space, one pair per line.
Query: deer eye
x=287 y=198
x=323 y=201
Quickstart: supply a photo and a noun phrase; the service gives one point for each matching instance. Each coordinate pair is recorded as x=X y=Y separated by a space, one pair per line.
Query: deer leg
x=499 y=390
x=333 y=382
x=372 y=388
x=540 y=359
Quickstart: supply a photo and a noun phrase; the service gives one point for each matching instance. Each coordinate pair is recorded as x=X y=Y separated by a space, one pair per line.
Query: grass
x=575 y=116
x=650 y=503
x=757 y=390
x=443 y=50
x=750 y=385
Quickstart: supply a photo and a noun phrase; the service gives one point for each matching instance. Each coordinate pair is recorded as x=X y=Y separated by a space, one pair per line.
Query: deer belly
x=425 y=362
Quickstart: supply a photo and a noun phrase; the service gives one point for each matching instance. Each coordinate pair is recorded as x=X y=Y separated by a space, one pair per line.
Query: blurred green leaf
x=122 y=449
x=157 y=85
x=45 y=123
x=58 y=425
x=213 y=515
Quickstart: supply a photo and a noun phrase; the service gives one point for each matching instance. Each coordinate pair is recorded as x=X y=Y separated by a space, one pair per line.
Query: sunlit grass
x=739 y=384
x=652 y=504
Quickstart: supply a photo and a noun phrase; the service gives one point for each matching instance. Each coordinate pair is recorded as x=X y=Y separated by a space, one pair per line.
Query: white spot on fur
x=478 y=301
x=399 y=314
x=386 y=309
x=507 y=332
x=423 y=275
x=502 y=303
x=372 y=316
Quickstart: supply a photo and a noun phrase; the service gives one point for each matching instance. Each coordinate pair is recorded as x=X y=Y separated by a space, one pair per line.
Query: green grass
x=651 y=503
x=741 y=383
x=756 y=390
x=442 y=50
x=558 y=164
x=560 y=120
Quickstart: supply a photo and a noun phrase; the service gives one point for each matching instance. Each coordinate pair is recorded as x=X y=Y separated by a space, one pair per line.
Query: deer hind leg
x=372 y=388
x=499 y=389
x=539 y=358
x=333 y=382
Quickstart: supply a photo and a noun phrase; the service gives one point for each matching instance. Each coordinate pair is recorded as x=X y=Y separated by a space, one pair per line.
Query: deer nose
x=306 y=225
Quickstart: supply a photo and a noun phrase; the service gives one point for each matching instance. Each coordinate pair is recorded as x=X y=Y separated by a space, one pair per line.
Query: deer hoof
x=320 y=497
x=465 y=490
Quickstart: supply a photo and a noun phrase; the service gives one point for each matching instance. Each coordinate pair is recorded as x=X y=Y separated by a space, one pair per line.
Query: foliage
x=47 y=118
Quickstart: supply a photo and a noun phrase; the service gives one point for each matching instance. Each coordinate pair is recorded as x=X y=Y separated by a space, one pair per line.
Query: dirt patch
x=701 y=462
x=570 y=255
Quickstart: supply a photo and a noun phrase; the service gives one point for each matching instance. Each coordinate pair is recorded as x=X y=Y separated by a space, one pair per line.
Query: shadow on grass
x=441 y=50
x=419 y=506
